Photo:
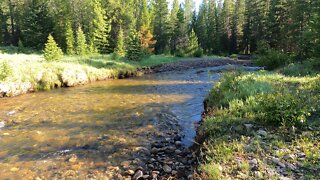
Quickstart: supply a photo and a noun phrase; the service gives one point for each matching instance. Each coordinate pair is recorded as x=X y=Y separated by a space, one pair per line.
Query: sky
x=197 y=3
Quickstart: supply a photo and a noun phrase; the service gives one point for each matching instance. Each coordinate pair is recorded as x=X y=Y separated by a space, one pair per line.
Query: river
x=82 y=131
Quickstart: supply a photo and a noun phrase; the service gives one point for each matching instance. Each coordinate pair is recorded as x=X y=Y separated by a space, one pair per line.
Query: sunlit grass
x=32 y=72
x=235 y=101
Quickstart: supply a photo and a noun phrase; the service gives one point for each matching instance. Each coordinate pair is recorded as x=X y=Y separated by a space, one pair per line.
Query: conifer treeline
x=221 y=26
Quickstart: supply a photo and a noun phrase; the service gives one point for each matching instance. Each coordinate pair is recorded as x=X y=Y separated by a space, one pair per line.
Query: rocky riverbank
x=199 y=63
x=164 y=158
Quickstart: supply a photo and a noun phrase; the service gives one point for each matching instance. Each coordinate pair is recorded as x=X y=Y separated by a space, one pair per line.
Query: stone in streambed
x=167 y=169
x=138 y=175
x=178 y=143
x=130 y=172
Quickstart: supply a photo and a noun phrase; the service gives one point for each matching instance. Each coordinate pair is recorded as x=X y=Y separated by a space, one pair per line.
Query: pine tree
x=226 y=16
x=161 y=26
x=82 y=46
x=152 y=14
x=316 y=28
x=99 y=29
x=69 y=39
x=211 y=27
x=52 y=52
x=193 y=44
x=202 y=24
x=120 y=49
x=300 y=28
x=179 y=38
x=237 y=26
x=134 y=50
x=188 y=13
x=36 y=24
x=144 y=16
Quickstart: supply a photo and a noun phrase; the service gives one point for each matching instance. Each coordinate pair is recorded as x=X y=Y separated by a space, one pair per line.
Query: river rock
x=177 y=151
x=288 y=157
x=137 y=175
x=125 y=164
x=154 y=150
x=174 y=172
x=11 y=113
x=301 y=155
x=2 y=124
x=277 y=161
x=170 y=149
x=262 y=132
x=248 y=126
x=178 y=143
x=291 y=167
x=257 y=174
x=177 y=138
x=253 y=162
x=130 y=172
x=166 y=168
x=73 y=158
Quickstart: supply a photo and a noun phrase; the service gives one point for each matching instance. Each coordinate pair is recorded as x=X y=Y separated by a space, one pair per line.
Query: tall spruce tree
x=173 y=22
x=226 y=16
x=193 y=44
x=99 y=28
x=120 y=48
x=179 y=39
x=211 y=27
x=69 y=39
x=237 y=26
x=81 y=48
x=278 y=23
x=188 y=13
x=144 y=16
x=36 y=24
x=161 y=26
x=134 y=50
x=202 y=26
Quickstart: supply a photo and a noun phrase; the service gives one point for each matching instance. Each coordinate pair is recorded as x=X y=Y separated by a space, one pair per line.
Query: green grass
x=286 y=107
x=30 y=72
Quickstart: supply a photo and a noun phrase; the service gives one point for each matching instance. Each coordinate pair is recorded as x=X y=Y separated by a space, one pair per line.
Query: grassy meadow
x=21 y=73
x=262 y=125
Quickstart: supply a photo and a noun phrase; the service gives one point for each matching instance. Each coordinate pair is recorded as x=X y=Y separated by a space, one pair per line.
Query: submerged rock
x=138 y=175
x=2 y=124
x=11 y=113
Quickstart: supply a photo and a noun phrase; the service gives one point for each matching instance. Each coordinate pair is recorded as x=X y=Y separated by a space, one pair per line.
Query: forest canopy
x=221 y=27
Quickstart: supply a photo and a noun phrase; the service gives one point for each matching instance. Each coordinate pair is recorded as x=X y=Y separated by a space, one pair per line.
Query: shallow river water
x=103 y=123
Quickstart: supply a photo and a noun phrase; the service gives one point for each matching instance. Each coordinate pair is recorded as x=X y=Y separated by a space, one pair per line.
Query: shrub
x=180 y=53
x=5 y=70
x=310 y=67
x=21 y=47
x=286 y=108
x=51 y=51
x=272 y=59
x=198 y=53
x=236 y=85
x=234 y=56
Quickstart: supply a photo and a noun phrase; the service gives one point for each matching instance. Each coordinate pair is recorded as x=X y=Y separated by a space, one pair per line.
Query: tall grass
x=32 y=73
